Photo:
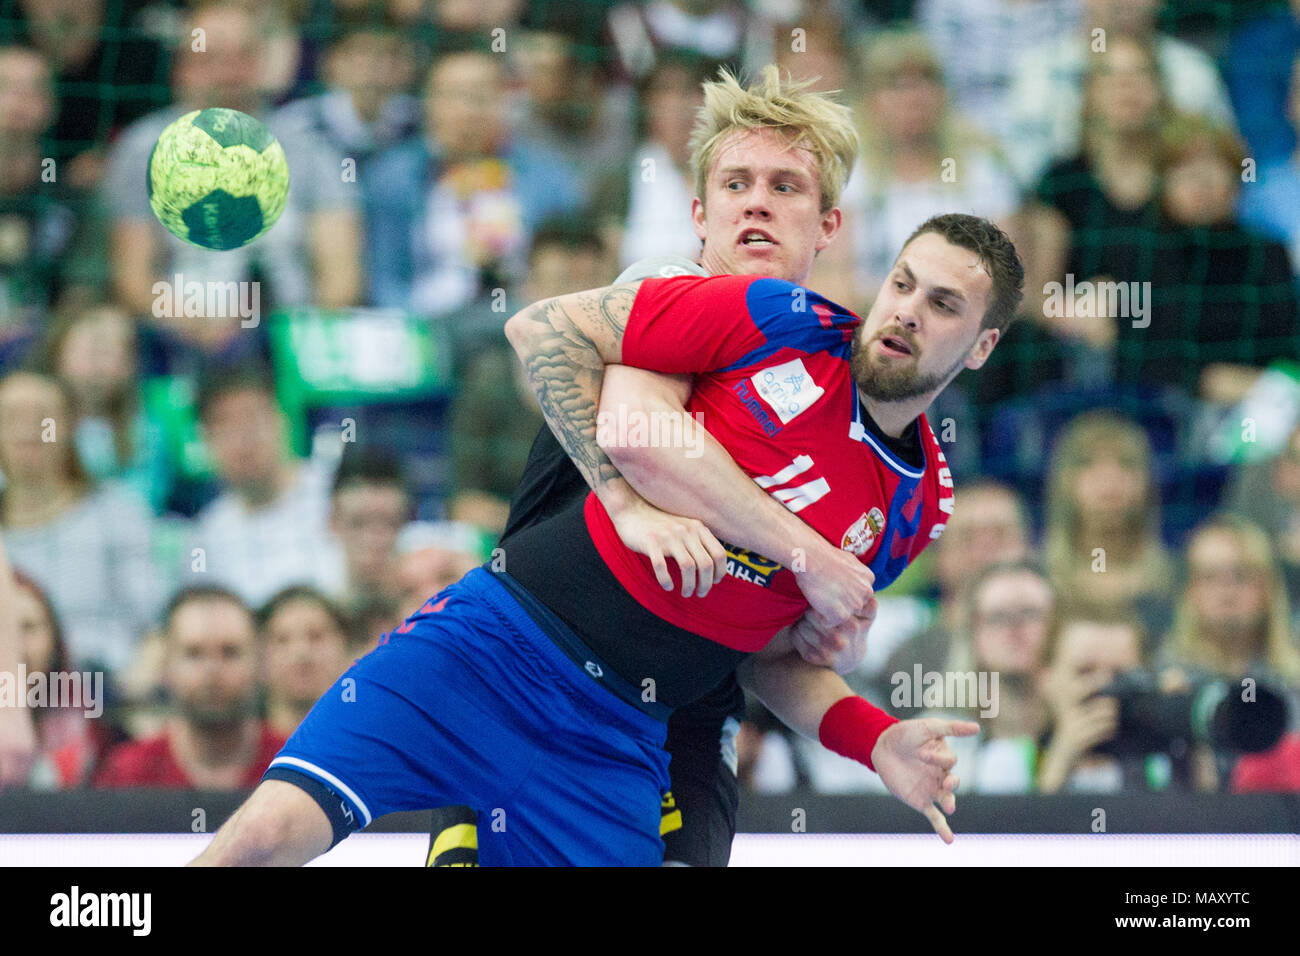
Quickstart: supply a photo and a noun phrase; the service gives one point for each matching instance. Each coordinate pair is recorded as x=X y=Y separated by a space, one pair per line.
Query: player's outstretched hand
x=660 y=536
x=836 y=584
x=841 y=647
x=914 y=761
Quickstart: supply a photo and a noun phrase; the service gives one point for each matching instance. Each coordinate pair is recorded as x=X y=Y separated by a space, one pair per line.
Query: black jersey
x=699 y=813
x=548 y=549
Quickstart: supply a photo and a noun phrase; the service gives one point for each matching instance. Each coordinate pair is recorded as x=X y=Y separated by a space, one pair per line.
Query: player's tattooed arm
x=564 y=344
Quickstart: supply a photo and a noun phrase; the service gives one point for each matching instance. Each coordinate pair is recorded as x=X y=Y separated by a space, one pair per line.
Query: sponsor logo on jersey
x=788 y=388
x=862 y=534
x=755 y=407
x=748 y=566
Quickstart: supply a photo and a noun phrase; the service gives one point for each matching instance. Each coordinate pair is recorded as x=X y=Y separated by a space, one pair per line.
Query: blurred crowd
x=220 y=515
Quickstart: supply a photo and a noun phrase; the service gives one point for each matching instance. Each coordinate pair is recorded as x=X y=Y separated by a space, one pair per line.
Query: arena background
x=1134 y=437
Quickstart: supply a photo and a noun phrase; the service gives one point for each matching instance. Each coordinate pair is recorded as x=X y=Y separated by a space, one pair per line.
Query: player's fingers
x=807 y=642
x=939 y=822
x=686 y=564
x=947 y=799
x=953 y=728
x=703 y=564
x=869 y=612
x=718 y=553
x=660 y=567
x=943 y=759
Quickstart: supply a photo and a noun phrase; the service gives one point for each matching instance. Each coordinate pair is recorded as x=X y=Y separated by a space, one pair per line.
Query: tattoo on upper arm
x=616 y=306
x=565 y=370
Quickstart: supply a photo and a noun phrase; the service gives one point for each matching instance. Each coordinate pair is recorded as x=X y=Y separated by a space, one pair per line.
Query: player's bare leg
x=279 y=825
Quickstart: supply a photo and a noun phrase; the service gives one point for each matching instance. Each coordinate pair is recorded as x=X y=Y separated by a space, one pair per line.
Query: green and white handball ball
x=217 y=178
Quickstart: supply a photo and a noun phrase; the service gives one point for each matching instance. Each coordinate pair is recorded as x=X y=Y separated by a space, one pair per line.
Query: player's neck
x=892 y=418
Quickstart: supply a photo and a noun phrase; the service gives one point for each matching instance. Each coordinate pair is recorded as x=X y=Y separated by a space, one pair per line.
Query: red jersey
x=151 y=763
x=1275 y=771
x=773 y=386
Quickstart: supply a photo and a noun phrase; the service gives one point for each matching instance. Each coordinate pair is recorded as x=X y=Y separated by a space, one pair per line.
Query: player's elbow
x=522 y=328
x=622 y=427
x=628 y=457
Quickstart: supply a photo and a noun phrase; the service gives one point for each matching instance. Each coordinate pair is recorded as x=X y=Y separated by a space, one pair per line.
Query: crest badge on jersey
x=862 y=534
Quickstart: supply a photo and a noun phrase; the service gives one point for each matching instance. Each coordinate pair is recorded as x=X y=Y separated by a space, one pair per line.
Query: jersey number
x=796 y=497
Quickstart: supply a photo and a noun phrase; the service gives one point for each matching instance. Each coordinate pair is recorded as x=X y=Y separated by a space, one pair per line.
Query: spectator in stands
x=311 y=257
x=1268 y=494
x=448 y=217
x=989 y=528
x=1089 y=651
x=92 y=351
x=434 y=556
x=979 y=43
x=1233 y=618
x=89 y=548
x=108 y=71
x=568 y=109
x=1102 y=545
x=456 y=20
x=1223 y=303
x=715 y=29
x=1010 y=616
x=67 y=738
x=1232 y=622
x=306 y=646
x=1258 y=67
x=374 y=618
x=214 y=740
x=1046 y=95
x=1096 y=212
x=919 y=158
x=46 y=247
x=819 y=54
x=268 y=528
x=660 y=186
x=369 y=506
x=1271 y=203
x=367 y=105
x=494 y=417
x=1276 y=771
x=285 y=69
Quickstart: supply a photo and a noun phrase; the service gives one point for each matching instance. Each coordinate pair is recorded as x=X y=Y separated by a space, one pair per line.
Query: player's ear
x=832 y=220
x=983 y=346
x=697 y=218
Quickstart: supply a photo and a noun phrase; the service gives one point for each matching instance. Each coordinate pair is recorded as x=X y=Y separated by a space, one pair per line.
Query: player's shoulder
x=780 y=308
x=935 y=459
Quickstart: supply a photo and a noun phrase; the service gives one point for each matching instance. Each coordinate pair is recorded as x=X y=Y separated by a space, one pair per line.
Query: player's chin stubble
x=887 y=380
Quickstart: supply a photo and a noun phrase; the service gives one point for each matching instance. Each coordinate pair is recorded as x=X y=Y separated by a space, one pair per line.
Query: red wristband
x=851 y=728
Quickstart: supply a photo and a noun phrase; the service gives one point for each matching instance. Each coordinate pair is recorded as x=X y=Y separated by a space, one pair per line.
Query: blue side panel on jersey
x=897 y=528
x=785 y=314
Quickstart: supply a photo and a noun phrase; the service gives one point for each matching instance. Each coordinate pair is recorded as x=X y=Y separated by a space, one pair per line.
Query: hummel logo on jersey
x=594 y=670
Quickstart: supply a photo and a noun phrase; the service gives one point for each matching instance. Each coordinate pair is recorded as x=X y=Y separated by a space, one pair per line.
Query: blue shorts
x=470 y=702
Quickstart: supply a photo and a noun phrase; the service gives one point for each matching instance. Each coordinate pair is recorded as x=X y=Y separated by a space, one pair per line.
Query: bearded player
x=516 y=692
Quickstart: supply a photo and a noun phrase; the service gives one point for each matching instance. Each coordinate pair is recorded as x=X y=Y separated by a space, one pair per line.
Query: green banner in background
x=355 y=356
